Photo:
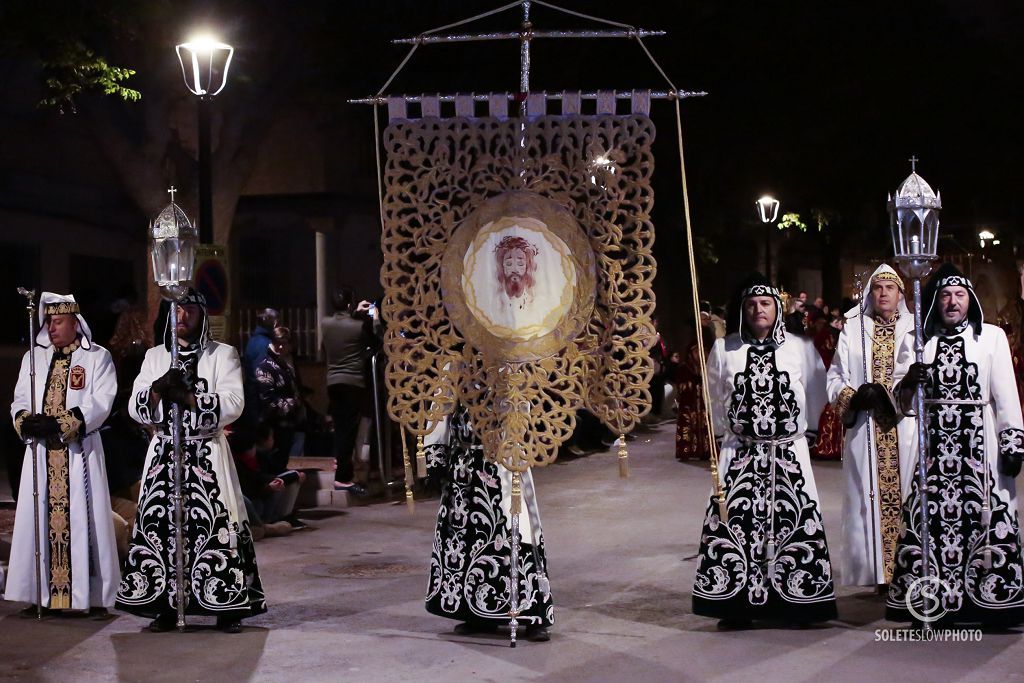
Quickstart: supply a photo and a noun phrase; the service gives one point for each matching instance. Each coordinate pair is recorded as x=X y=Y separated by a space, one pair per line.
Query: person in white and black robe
x=75 y=388
x=975 y=442
x=876 y=478
x=469 y=566
x=770 y=559
x=220 y=562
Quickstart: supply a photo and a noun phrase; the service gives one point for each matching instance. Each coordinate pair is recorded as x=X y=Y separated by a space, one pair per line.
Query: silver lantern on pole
x=174 y=254
x=914 y=221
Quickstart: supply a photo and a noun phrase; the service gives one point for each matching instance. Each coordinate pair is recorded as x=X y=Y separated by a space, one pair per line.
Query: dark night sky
x=821 y=103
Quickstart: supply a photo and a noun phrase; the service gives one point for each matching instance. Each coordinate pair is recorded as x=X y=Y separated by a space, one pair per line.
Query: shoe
x=281 y=528
x=163 y=623
x=229 y=624
x=537 y=634
x=296 y=523
x=575 y=450
x=356 y=490
x=734 y=624
x=467 y=628
x=99 y=614
x=30 y=612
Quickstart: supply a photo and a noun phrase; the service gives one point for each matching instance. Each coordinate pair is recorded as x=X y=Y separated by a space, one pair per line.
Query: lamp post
x=768 y=211
x=204 y=66
x=174 y=256
x=914 y=221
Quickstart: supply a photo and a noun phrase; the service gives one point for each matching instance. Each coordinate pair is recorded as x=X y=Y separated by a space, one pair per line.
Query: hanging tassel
x=410 y=502
x=770 y=558
x=623 y=457
x=517 y=493
x=421 y=457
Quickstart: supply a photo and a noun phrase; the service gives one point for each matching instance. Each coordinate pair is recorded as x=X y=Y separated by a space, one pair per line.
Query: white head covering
x=883 y=272
x=57 y=304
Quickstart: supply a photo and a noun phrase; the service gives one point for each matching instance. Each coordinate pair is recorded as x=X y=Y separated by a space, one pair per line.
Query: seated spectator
x=269 y=497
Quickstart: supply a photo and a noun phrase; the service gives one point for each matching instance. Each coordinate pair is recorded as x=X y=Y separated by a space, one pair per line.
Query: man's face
x=953 y=303
x=885 y=295
x=189 y=318
x=63 y=329
x=759 y=315
x=803 y=297
x=819 y=304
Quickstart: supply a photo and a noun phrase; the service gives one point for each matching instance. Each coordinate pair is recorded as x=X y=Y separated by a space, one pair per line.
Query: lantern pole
x=172 y=270
x=179 y=516
x=30 y=308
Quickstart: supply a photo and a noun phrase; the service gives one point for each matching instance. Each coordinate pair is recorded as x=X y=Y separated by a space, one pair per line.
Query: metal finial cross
x=171 y=192
x=913 y=164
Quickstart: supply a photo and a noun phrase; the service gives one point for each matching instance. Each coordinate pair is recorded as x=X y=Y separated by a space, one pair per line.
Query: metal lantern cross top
x=174 y=246
x=914 y=221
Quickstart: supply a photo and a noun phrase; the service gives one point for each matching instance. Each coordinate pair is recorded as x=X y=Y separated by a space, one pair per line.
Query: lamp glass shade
x=204 y=65
x=174 y=247
x=768 y=209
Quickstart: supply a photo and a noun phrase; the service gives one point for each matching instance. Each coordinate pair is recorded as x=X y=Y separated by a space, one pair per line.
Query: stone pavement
x=346 y=604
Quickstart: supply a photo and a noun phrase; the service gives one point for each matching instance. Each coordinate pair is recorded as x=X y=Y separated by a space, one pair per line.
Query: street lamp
x=174 y=256
x=204 y=66
x=768 y=211
x=914 y=222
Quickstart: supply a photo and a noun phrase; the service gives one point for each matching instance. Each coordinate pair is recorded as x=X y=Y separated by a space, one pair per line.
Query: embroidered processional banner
x=518 y=271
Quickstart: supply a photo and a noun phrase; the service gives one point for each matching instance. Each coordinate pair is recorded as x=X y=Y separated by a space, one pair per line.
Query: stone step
x=329 y=498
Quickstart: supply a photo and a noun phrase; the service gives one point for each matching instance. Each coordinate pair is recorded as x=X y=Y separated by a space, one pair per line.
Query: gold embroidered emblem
x=77 y=379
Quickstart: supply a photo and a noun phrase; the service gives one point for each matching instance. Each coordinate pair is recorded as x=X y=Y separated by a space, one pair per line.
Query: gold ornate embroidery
x=887 y=455
x=58 y=479
x=62 y=308
x=842 y=403
x=70 y=426
x=18 y=419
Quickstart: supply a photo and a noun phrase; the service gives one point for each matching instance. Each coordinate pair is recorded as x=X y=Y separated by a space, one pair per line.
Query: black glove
x=882 y=408
x=863 y=399
x=39 y=427
x=172 y=387
x=916 y=374
x=1009 y=464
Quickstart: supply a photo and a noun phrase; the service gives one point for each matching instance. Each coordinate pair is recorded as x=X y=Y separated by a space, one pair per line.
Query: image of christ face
x=516 y=266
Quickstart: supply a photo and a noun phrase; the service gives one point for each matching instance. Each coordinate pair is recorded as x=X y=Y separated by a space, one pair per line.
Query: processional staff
x=914 y=222
x=174 y=240
x=30 y=308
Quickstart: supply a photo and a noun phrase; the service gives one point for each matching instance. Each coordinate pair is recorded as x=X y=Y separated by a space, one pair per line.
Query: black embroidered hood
x=949 y=275
x=192 y=296
x=758 y=285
